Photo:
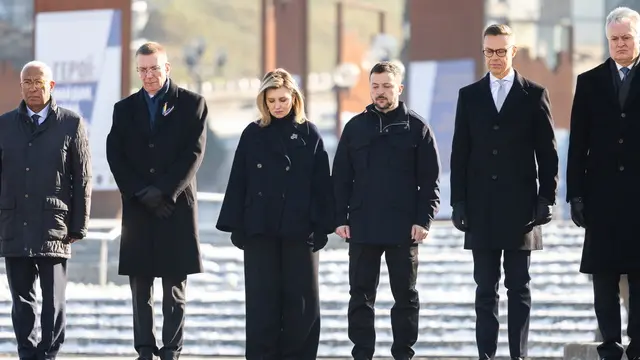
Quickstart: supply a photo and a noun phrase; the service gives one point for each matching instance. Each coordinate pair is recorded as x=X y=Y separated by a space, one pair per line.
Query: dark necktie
x=625 y=72
x=35 y=118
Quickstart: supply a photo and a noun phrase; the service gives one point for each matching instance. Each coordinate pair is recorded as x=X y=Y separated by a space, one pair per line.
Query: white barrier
x=113 y=230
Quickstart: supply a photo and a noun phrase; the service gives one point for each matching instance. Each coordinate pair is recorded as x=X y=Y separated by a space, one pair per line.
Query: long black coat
x=45 y=182
x=603 y=168
x=386 y=176
x=493 y=164
x=168 y=158
x=279 y=186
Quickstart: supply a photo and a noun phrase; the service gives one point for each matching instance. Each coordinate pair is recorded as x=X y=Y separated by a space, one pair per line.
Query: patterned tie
x=35 y=118
x=625 y=72
x=502 y=94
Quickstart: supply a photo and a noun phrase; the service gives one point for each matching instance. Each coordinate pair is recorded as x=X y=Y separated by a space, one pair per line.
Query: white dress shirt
x=43 y=114
x=495 y=85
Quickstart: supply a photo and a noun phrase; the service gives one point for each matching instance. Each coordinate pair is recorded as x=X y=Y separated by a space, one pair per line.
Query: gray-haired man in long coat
x=45 y=188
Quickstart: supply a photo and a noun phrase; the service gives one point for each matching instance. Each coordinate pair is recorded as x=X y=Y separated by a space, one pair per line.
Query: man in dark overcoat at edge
x=603 y=180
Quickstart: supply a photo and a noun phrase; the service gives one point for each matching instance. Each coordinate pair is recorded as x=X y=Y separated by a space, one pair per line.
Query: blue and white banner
x=84 y=50
x=433 y=93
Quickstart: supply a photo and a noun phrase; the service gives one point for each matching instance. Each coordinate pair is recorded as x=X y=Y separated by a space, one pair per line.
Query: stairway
x=99 y=318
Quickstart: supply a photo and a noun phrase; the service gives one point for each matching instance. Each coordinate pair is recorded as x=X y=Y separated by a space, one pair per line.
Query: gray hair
x=620 y=14
x=46 y=70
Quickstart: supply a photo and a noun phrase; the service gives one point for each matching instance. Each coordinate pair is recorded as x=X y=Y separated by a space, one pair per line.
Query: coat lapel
x=486 y=99
x=634 y=88
x=167 y=107
x=607 y=86
x=141 y=114
x=515 y=95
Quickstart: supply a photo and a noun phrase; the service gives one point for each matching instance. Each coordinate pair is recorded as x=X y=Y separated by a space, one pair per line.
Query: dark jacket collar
x=400 y=111
x=53 y=107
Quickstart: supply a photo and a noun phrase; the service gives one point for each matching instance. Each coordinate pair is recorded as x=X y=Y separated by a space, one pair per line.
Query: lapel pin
x=294 y=136
x=166 y=111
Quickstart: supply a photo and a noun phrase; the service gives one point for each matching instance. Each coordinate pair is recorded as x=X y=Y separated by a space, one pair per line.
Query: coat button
x=287 y=168
x=152 y=170
x=496 y=127
x=495 y=152
x=24 y=223
x=26 y=195
x=259 y=166
x=259 y=193
x=30 y=144
x=283 y=196
x=494 y=177
x=27 y=169
x=621 y=168
x=623 y=115
x=620 y=141
x=152 y=145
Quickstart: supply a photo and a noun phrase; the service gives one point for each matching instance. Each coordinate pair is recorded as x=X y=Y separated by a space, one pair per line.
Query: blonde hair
x=274 y=80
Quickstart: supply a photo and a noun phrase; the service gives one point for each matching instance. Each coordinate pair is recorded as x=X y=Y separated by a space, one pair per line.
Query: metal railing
x=113 y=230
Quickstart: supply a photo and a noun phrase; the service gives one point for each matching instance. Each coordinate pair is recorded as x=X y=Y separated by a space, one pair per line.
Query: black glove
x=150 y=196
x=459 y=216
x=237 y=239
x=577 y=212
x=544 y=212
x=164 y=210
x=317 y=240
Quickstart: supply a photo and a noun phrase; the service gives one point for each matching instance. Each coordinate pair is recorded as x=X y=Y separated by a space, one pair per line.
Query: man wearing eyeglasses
x=154 y=149
x=45 y=190
x=503 y=127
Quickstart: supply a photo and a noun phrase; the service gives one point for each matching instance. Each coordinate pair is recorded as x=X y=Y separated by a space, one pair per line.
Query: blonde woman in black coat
x=278 y=207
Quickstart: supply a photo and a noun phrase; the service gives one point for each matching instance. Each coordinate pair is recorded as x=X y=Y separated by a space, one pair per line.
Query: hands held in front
x=459 y=216
x=577 y=212
x=153 y=199
x=344 y=231
x=418 y=233
x=544 y=212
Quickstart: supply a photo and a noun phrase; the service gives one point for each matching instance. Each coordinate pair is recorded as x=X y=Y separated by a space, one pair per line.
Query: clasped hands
x=155 y=201
x=543 y=214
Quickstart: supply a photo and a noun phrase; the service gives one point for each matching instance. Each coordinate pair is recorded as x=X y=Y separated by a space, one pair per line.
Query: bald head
x=36 y=83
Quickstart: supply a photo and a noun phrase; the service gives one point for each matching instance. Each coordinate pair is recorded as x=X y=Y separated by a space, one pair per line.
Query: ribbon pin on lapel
x=166 y=111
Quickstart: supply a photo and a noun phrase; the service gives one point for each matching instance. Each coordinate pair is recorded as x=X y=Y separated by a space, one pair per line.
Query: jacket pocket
x=7 y=219
x=54 y=219
x=359 y=150
x=402 y=154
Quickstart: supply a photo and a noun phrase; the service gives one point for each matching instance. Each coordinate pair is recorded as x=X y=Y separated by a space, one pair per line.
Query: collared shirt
x=620 y=73
x=153 y=100
x=42 y=113
x=495 y=85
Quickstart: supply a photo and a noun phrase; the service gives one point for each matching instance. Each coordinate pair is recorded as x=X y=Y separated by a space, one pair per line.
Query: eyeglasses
x=144 y=71
x=27 y=84
x=500 y=52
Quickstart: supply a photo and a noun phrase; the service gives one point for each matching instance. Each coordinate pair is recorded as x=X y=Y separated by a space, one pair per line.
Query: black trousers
x=606 y=293
x=364 y=277
x=282 y=301
x=486 y=273
x=173 y=305
x=22 y=273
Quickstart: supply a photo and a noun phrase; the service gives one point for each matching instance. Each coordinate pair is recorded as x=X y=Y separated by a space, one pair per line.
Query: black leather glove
x=577 y=212
x=150 y=196
x=459 y=216
x=317 y=240
x=544 y=212
x=164 y=210
x=237 y=239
